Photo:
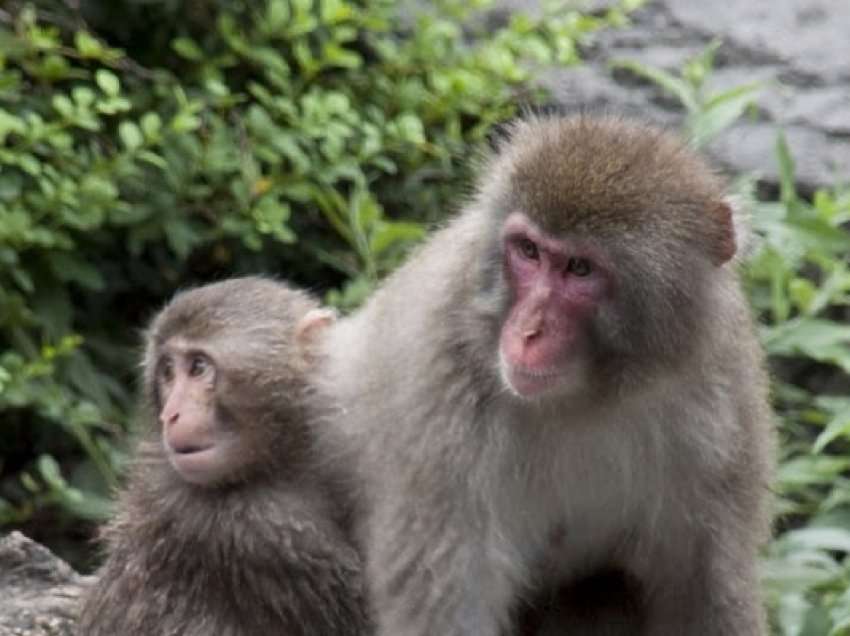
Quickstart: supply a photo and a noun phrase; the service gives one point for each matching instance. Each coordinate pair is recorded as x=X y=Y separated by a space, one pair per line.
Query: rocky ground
x=39 y=592
x=799 y=49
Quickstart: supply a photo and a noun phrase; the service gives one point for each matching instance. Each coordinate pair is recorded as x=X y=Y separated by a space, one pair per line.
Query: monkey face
x=556 y=286
x=197 y=443
x=610 y=242
x=225 y=373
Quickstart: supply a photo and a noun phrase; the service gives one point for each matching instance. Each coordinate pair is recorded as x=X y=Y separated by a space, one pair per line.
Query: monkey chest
x=582 y=503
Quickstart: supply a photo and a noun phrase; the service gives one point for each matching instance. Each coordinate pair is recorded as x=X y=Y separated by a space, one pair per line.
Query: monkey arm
x=415 y=550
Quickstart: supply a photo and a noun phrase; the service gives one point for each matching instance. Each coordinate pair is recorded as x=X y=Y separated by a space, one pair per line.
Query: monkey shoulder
x=245 y=564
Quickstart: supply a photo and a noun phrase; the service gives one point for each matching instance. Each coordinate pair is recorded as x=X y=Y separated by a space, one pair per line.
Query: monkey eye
x=579 y=267
x=198 y=365
x=528 y=249
x=166 y=369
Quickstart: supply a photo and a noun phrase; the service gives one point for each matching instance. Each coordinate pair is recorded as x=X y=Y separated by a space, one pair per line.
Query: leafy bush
x=146 y=145
x=798 y=278
x=317 y=140
x=800 y=283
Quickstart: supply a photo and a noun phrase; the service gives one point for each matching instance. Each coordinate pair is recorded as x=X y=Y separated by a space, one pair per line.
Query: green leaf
x=151 y=125
x=837 y=426
x=63 y=106
x=720 y=112
x=807 y=470
x=108 y=82
x=818 y=339
x=184 y=122
x=270 y=216
x=68 y=267
x=83 y=96
x=88 y=46
x=181 y=236
x=270 y=58
x=9 y=124
x=816 y=538
x=130 y=135
x=98 y=190
x=187 y=48
x=679 y=88
x=11 y=185
x=153 y=159
x=49 y=470
x=410 y=128
x=336 y=55
x=787 y=182
x=88 y=505
x=391 y=234
x=277 y=15
x=840 y=614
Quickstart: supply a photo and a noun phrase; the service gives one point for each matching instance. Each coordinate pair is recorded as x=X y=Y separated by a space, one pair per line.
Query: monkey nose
x=530 y=334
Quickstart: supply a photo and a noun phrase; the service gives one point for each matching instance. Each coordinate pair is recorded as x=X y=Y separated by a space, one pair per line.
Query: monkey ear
x=723 y=244
x=313 y=322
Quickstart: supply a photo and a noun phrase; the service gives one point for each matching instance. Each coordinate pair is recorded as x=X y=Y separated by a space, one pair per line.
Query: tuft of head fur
x=612 y=178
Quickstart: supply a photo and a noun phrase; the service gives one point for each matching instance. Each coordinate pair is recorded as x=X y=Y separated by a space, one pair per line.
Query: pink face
x=556 y=286
x=200 y=450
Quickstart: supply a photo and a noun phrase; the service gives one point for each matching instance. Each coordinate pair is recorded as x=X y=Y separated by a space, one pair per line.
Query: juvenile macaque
x=227 y=526
x=557 y=408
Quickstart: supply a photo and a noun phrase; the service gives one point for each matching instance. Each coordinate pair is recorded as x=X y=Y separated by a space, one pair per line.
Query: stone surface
x=798 y=49
x=39 y=592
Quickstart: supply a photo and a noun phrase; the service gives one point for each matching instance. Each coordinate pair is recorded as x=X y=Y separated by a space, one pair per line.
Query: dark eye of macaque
x=166 y=369
x=579 y=267
x=198 y=366
x=528 y=249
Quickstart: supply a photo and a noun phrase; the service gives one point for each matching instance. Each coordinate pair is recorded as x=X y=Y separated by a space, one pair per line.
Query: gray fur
x=476 y=504
x=266 y=553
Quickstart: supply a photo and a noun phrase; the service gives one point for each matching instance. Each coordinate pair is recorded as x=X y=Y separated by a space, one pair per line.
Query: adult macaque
x=559 y=402
x=227 y=526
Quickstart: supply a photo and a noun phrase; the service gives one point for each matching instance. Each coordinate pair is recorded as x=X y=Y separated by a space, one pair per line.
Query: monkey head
x=608 y=240
x=224 y=374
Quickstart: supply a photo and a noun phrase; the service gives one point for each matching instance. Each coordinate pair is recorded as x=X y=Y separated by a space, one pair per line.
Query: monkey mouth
x=529 y=383
x=536 y=373
x=191 y=449
x=197 y=464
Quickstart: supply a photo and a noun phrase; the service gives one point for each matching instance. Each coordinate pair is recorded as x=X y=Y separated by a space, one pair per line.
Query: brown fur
x=263 y=553
x=476 y=503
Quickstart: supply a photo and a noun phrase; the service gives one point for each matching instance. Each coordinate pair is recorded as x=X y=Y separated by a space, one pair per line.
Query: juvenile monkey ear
x=723 y=243
x=313 y=322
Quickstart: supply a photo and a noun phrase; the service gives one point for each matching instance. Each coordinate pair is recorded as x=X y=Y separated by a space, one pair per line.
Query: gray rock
x=799 y=50
x=40 y=592
x=809 y=35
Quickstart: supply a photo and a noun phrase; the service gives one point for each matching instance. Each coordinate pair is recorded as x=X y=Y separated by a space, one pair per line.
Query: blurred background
x=149 y=145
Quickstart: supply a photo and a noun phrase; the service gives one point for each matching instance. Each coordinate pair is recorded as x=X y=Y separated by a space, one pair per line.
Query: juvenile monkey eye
x=166 y=369
x=198 y=366
x=579 y=266
x=528 y=249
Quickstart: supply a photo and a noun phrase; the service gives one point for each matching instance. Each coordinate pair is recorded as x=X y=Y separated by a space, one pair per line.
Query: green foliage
x=149 y=145
x=800 y=284
x=707 y=114
x=317 y=140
